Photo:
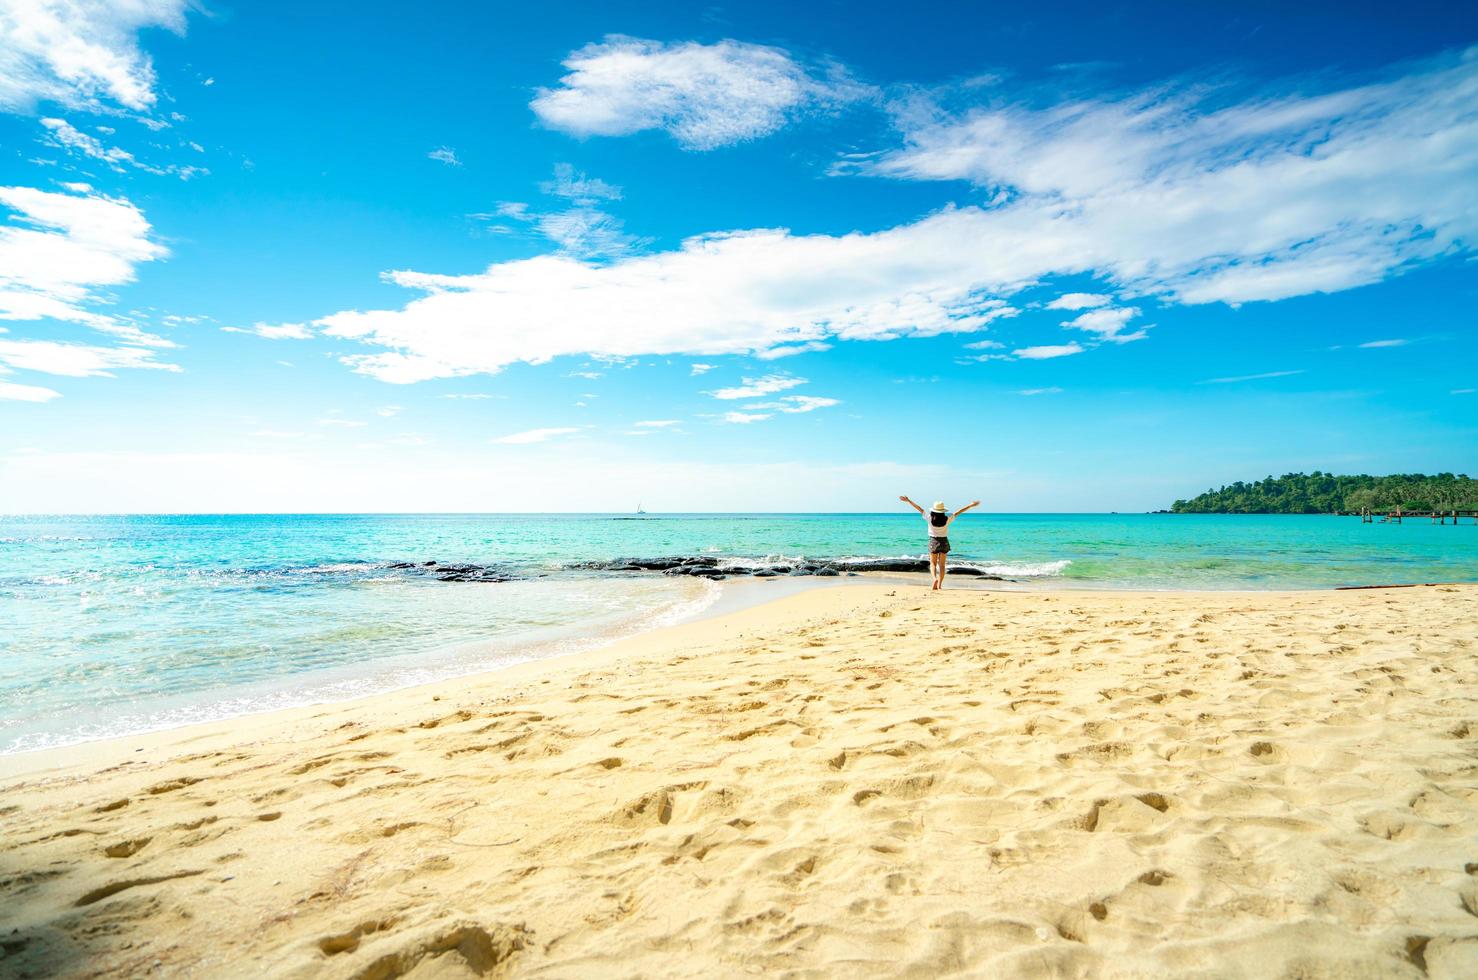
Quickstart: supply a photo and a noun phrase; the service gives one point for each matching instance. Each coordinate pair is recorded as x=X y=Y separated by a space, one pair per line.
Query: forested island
x=1325 y=493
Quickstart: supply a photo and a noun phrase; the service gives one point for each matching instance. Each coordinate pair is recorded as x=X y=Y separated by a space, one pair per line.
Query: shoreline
x=732 y=596
x=119 y=749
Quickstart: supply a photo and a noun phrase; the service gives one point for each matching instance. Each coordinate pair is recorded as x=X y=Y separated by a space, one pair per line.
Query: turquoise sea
x=112 y=625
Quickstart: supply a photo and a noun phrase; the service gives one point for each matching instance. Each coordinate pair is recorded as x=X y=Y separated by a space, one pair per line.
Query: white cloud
x=446 y=155
x=789 y=350
x=1160 y=191
x=735 y=293
x=1462 y=391
x=1040 y=391
x=1373 y=344
x=280 y=331
x=1238 y=204
x=985 y=345
x=658 y=423
x=744 y=418
x=535 y=435
x=75 y=360
x=703 y=95
x=60 y=248
x=389 y=411
x=795 y=404
x=1250 y=377
x=1048 y=351
x=1106 y=323
x=758 y=387
x=80 y=52
x=1079 y=301
x=26 y=393
x=698 y=369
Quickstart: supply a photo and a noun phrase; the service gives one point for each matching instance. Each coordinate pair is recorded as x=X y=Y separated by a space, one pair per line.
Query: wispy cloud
x=81 y=54
x=1250 y=377
x=744 y=418
x=65 y=136
x=1462 y=391
x=578 y=187
x=1395 y=342
x=76 y=360
x=795 y=404
x=1040 y=391
x=26 y=393
x=703 y=95
x=446 y=155
x=1046 y=351
x=280 y=331
x=583 y=230
x=758 y=387
x=1168 y=189
x=535 y=435
x=702 y=369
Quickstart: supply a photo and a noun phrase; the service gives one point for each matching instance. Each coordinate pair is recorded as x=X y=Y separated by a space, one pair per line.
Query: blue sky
x=277 y=257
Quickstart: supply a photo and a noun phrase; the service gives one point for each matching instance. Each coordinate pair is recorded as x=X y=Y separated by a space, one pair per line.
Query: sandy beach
x=865 y=781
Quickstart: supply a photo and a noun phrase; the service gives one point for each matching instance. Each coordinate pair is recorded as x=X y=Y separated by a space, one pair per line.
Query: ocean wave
x=1040 y=569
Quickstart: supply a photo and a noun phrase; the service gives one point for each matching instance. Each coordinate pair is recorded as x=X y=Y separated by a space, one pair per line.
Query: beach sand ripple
x=866 y=781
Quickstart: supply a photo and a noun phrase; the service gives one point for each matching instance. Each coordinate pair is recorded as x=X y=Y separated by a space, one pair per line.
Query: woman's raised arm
x=912 y=504
x=973 y=503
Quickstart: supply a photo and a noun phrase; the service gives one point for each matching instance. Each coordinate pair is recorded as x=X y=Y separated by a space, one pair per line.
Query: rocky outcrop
x=454 y=572
x=697 y=566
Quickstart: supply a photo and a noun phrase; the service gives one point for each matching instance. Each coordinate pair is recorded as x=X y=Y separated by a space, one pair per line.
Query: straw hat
x=939 y=507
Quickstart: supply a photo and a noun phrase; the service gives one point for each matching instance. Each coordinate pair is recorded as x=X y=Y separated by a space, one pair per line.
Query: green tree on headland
x=1325 y=493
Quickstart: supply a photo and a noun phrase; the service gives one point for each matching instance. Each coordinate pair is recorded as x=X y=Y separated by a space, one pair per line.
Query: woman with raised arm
x=939 y=519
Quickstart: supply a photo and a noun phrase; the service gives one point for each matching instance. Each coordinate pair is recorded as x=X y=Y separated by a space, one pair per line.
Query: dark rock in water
x=713 y=568
x=851 y=565
x=882 y=564
x=455 y=572
x=703 y=571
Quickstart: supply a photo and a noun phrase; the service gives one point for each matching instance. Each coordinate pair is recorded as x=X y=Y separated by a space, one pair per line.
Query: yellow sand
x=852 y=782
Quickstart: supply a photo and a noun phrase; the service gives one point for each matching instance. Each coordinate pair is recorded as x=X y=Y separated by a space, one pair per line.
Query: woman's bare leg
x=943 y=561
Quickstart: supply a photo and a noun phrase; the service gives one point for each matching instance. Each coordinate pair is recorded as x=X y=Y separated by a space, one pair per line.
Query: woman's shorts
x=939 y=546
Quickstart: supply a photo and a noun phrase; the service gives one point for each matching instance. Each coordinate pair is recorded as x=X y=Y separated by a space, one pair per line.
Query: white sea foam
x=1040 y=569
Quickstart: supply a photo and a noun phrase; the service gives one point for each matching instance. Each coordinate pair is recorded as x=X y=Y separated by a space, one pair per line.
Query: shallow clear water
x=123 y=624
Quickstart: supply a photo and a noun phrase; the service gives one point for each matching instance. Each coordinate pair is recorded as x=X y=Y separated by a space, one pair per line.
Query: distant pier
x=1367 y=516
